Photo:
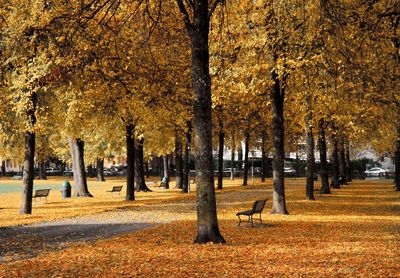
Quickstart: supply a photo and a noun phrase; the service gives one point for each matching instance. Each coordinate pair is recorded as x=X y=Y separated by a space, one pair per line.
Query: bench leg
x=251 y=220
x=240 y=220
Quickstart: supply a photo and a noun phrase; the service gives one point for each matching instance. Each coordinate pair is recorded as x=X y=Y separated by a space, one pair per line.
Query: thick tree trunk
x=220 y=158
x=207 y=223
x=278 y=96
x=263 y=157
x=140 y=182
x=100 y=169
x=78 y=168
x=348 y=162
x=246 y=157
x=28 y=172
x=186 y=161
x=130 y=161
x=335 y=161
x=342 y=163
x=323 y=158
x=178 y=162
x=310 y=153
x=233 y=163
x=3 y=168
x=166 y=171
x=90 y=171
x=42 y=170
x=146 y=166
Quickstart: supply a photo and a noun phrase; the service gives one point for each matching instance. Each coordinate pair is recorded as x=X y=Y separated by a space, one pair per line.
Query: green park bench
x=257 y=208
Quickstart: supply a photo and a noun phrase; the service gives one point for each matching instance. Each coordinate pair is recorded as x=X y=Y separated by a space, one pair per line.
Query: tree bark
x=28 y=172
x=335 y=161
x=278 y=196
x=323 y=157
x=130 y=161
x=178 y=162
x=263 y=157
x=310 y=152
x=100 y=169
x=3 y=168
x=397 y=162
x=166 y=171
x=220 y=158
x=140 y=182
x=186 y=161
x=146 y=166
x=233 y=163
x=348 y=163
x=78 y=168
x=342 y=162
x=246 y=157
x=207 y=223
x=42 y=170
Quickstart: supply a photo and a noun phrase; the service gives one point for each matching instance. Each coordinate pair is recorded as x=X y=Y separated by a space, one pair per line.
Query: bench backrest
x=42 y=193
x=258 y=206
x=117 y=188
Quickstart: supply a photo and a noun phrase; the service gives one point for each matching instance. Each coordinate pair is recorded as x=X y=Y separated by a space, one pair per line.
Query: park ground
x=354 y=232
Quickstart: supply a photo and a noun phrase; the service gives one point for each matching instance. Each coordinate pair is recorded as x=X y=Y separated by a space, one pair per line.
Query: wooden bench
x=115 y=189
x=152 y=183
x=41 y=193
x=258 y=207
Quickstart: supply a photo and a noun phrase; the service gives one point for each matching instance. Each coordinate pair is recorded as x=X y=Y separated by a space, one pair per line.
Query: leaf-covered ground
x=354 y=232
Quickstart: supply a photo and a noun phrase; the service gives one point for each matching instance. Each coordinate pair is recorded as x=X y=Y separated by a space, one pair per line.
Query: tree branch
x=186 y=18
x=213 y=7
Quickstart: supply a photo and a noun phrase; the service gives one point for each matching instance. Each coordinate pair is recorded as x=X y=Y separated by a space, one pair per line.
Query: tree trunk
x=221 y=158
x=146 y=166
x=310 y=152
x=166 y=171
x=323 y=158
x=342 y=162
x=130 y=161
x=335 y=161
x=348 y=163
x=178 y=162
x=28 y=172
x=140 y=182
x=3 y=168
x=233 y=163
x=263 y=157
x=186 y=161
x=42 y=170
x=62 y=169
x=246 y=157
x=100 y=169
x=78 y=168
x=240 y=158
x=207 y=223
x=278 y=196
x=397 y=162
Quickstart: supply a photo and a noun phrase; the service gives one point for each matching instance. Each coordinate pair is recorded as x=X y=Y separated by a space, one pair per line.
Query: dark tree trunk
x=130 y=161
x=166 y=171
x=342 y=163
x=233 y=163
x=310 y=152
x=140 y=182
x=28 y=172
x=78 y=168
x=278 y=96
x=348 y=163
x=264 y=157
x=246 y=157
x=3 y=168
x=42 y=170
x=178 y=162
x=220 y=158
x=146 y=166
x=207 y=223
x=186 y=160
x=62 y=168
x=240 y=158
x=335 y=161
x=323 y=158
x=90 y=170
x=397 y=162
x=100 y=169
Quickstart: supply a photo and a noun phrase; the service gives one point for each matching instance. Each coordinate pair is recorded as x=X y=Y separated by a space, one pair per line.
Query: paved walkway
x=23 y=242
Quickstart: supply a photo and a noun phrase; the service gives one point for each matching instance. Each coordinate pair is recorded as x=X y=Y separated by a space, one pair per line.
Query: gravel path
x=28 y=241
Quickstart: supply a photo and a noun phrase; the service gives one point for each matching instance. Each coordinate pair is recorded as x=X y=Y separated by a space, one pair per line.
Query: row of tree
x=141 y=76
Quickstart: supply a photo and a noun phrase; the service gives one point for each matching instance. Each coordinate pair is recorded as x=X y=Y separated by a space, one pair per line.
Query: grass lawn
x=354 y=232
